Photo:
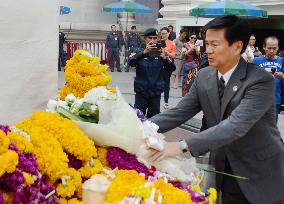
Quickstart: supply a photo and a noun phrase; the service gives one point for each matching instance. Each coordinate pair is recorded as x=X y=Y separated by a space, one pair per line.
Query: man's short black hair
x=270 y=37
x=133 y=27
x=182 y=31
x=170 y=26
x=112 y=26
x=165 y=28
x=236 y=29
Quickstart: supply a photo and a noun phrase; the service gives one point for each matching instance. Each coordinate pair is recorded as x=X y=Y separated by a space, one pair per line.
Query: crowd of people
x=190 y=56
x=187 y=52
x=238 y=87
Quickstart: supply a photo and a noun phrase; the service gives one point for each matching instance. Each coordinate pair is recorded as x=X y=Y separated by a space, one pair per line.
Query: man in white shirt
x=237 y=99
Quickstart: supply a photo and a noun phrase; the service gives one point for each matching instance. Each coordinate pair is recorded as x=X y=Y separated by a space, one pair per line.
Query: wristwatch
x=183 y=146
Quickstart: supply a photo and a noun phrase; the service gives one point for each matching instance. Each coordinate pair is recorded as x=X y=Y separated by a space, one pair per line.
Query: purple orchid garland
x=5 y=128
x=119 y=158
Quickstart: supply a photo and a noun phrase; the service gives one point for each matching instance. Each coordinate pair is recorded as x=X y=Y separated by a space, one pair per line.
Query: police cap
x=151 y=31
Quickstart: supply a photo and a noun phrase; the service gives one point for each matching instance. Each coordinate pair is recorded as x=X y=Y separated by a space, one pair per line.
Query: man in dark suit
x=237 y=100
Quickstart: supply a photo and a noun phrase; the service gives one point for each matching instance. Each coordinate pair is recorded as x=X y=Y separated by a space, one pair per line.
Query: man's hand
x=164 y=55
x=279 y=74
x=149 y=47
x=171 y=149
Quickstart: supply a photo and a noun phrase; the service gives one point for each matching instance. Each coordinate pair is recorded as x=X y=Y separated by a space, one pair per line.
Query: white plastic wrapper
x=120 y=127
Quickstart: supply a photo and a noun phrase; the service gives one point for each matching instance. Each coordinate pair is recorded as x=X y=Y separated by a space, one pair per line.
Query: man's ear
x=238 y=45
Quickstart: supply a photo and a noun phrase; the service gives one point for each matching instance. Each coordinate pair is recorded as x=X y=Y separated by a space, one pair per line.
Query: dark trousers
x=61 y=59
x=277 y=109
x=231 y=191
x=114 y=56
x=167 y=80
x=150 y=106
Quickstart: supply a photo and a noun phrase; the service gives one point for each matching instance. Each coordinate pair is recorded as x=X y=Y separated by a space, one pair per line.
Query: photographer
x=273 y=64
x=150 y=62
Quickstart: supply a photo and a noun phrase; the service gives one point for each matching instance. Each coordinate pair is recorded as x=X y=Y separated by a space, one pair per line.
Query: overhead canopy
x=220 y=8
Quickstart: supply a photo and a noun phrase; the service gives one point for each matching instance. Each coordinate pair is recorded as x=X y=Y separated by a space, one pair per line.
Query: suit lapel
x=233 y=85
x=213 y=94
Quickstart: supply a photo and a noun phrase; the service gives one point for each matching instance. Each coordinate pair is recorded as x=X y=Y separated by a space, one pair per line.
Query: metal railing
x=96 y=48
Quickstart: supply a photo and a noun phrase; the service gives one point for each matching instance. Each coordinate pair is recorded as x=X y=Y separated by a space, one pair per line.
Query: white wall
x=28 y=56
x=87 y=15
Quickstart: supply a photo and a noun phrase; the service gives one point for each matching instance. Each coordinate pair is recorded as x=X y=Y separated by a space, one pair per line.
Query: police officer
x=133 y=43
x=149 y=82
x=113 y=44
x=62 y=54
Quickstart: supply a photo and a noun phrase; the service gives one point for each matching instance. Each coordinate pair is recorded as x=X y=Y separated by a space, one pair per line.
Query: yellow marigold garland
x=128 y=183
x=4 y=142
x=102 y=152
x=69 y=135
x=82 y=73
x=212 y=195
x=8 y=162
x=28 y=178
x=123 y=185
x=51 y=159
x=172 y=195
x=21 y=142
x=91 y=168
x=72 y=182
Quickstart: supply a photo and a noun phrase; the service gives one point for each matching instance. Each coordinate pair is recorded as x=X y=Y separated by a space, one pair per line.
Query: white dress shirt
x=227 y=75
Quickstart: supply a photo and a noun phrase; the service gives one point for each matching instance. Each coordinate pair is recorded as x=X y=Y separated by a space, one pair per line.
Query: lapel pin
x=235 y=88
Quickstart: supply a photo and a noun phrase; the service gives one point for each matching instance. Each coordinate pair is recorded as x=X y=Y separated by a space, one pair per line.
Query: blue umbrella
x=220 y=8
x=128 y=7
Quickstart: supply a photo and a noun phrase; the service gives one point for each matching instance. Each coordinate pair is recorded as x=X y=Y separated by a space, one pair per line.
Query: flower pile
x=82 y=73
x=46 y=158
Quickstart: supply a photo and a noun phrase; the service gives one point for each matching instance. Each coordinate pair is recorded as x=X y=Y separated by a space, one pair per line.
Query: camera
x=158 y=50
x=161 y=44
x=273 y=70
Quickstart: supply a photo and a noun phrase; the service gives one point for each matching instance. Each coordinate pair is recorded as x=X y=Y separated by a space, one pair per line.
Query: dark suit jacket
x=243 y=129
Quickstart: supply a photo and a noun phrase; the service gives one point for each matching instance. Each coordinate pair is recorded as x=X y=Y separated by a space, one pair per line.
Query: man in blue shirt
x=274 y=64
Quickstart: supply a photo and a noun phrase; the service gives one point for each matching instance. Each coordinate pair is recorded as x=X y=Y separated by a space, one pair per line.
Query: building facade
x=87 y=21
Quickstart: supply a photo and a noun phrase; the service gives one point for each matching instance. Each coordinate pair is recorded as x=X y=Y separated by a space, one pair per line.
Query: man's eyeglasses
x=252 y=39
x=164 y=33
x=192 y=37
